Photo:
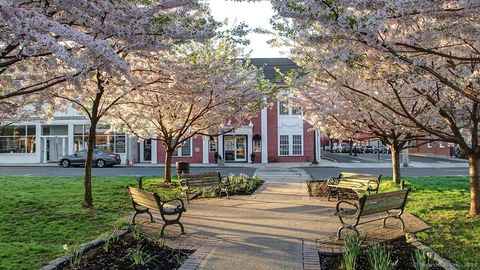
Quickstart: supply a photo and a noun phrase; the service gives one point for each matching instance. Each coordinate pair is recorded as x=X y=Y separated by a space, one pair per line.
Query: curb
x=442 y=262
x=194 y=260
x=311 y=260
x=62 y=261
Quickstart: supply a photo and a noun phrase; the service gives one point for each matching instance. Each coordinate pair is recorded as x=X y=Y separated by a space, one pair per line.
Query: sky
x=255 y=14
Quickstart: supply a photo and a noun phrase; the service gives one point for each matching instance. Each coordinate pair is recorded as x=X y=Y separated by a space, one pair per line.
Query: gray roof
x=269 y=65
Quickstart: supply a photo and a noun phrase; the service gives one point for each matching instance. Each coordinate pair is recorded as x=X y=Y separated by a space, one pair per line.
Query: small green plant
x=352 y=250
x=137 y=234
x=139 y=257
x=379 y=258
x=161 y=242
x=420 y=260
x=77 y=254
x=106 y=246
x=178 y=257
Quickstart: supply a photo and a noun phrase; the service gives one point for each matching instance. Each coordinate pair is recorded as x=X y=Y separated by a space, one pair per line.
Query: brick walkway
x=276 y=228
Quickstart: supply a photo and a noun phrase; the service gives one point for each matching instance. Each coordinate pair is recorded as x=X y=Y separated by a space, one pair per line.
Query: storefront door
x=235 y=148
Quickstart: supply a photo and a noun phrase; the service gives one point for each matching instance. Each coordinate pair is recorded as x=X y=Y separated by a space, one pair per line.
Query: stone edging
x=259 y=189
x=311 y=260
x=442 y=262
x=194 y=260
x=62 y=261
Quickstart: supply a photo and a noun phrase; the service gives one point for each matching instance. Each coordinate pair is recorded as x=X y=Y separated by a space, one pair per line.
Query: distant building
x=276 y=134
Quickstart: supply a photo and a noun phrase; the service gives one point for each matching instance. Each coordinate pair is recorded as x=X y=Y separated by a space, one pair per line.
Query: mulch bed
x=119 y=255
x=400 y=251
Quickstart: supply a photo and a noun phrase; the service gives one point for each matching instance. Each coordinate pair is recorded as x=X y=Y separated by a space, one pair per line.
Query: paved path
x=263 y=231
x=279 y=174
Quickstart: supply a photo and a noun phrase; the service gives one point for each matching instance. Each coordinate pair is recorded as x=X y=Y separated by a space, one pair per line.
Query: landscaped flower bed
x=240 y=184
x=396 y=254
x=130 y=251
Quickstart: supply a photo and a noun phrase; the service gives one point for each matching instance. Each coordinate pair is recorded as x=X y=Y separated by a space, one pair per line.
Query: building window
x=17 y=139
x=296 y=111
x=441 y=145
x=257 y=146
x=297 y=145
x=212 y=146
x=284 y=146
x=282 y=108
x=291 y=145
x=113 y=142
x=429 y=145
x=185 y=150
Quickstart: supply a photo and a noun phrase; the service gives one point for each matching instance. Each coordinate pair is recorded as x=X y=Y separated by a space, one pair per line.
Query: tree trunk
x=168 y=165
x=331 y=145
x=87 y=178
x=474 y=185
x=350 y=143
x=395 y=164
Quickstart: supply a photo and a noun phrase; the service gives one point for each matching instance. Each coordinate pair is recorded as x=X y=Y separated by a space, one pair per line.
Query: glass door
x=147 y=150
x=229 y=148
x=240 y=149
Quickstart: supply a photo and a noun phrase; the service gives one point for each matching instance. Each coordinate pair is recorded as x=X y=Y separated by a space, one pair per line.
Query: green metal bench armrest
x=341 y=212
x=180 y=206
x=333 y=180
x=225 y=181
x=183 y=183
x=369 y=184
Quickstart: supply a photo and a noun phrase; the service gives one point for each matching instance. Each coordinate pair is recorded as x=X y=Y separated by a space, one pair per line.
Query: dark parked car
x=101 y=158
x=369 y=149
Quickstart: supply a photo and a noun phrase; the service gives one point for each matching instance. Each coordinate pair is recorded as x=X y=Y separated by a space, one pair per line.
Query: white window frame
x=289 y=110
x=178 y=151
x=290 y=145
x=429 y=145
x=441 y=145
x=211 y=144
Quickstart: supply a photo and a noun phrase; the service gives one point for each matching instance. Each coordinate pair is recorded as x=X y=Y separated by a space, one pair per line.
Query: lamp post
x=315 y=161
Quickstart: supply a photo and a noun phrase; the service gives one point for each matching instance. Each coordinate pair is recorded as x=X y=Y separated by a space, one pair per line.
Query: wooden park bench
x=372 y=204
x=353 y=181
x=145 y=202
x=203 y=180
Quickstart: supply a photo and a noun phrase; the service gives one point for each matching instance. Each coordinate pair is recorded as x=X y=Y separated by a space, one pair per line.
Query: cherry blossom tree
x=132 y=33
x=421 y=56
x=348 y=115
x=209 y=87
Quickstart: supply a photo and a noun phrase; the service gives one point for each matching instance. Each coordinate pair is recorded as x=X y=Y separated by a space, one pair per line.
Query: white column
x=249 y=147
x=38 y=146
x=264 y=131
x=206 y=149
x=70 y=145
x=319 y=145
x=154 y=151
x=220 y=146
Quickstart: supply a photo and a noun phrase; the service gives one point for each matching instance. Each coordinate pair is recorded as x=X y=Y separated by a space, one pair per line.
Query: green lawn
x=39 y=214
x=443 y=202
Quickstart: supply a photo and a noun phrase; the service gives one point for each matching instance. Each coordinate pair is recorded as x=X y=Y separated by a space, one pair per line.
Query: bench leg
x=141 y=212
x=347 y=227
x=162 y=232
x=397 y=217
x=329 y=193
x=224 y=189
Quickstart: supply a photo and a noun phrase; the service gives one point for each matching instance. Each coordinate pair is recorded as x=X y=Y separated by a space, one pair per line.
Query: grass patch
x=443 y=202
x=40 y=214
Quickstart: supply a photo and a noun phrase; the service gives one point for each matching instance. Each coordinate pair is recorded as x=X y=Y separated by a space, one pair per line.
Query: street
x=314 y=172
x=382 y=158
